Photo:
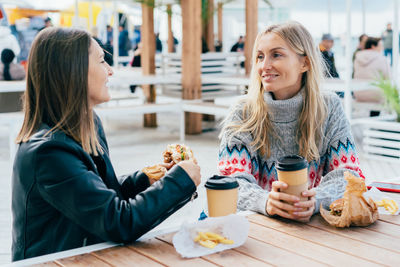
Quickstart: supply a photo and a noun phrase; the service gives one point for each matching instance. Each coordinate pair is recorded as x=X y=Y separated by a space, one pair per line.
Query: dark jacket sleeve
x=133 y=184
x=64 y=181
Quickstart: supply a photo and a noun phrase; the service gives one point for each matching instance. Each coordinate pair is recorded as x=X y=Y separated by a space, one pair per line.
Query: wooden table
x=271 y=242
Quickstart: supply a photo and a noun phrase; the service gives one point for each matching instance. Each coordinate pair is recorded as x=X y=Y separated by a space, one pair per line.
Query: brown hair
x=371 y=41
x=57 y=87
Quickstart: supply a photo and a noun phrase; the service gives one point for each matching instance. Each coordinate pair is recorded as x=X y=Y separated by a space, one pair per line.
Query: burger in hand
x=172 y=155
x=178 y=152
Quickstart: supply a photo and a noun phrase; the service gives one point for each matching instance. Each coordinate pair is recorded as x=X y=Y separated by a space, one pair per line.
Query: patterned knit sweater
x=255 y=173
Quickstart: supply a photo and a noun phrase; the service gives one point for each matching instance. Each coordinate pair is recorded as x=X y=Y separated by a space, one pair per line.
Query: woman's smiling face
x=99 y=71
x=279 y=66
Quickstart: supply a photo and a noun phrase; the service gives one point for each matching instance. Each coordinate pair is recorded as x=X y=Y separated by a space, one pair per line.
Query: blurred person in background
x=239 y=45
x=47 y=23
x=10 y=71
x=158 y=44
x=107 y=55
x=8 y=40
x=124 y=43
x=370 y=64
x=325 y=46
x=361 y=46
x=387 y=38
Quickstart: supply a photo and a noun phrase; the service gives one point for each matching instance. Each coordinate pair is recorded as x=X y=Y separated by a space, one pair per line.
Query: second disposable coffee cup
x=222 y=195
x=294 y=172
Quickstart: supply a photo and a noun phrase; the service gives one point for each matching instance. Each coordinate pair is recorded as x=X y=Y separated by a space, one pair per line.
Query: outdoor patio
x=133 y=147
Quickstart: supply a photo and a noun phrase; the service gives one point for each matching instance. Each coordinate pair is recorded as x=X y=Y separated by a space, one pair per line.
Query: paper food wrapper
x=377 y=195
x=355 y=209
x=234 y=227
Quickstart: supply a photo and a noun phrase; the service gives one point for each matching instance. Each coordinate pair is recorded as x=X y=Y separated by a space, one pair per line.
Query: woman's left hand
x=308 y=205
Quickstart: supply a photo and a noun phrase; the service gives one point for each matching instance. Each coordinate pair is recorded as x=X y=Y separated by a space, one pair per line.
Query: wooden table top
x=271 y=242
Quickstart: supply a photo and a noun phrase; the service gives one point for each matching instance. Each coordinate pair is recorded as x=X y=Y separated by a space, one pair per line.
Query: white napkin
x=233 y=227
x=378 y=195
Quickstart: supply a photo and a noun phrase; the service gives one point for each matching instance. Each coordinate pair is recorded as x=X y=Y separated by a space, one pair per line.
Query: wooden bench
x=212 y=64
x=381 y=139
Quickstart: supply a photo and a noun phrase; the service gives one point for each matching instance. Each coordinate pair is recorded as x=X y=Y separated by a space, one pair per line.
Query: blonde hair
x=257 y=120
x=57 y=87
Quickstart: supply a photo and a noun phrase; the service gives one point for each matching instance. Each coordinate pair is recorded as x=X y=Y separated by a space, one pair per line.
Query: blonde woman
x=285 y=113
x=65 y=193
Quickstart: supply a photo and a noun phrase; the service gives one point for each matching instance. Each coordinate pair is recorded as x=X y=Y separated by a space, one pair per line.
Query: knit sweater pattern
x=255 y=173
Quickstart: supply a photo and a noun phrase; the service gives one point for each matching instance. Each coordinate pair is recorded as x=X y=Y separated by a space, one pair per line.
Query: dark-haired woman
x=8 y=70
x=65 y=192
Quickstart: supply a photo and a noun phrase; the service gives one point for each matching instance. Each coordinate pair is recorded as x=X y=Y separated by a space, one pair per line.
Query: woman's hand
x=289 y=206
x=192 y=169
x=167 y=165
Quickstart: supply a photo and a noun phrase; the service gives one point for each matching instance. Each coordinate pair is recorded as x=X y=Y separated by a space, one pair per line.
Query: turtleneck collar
x=287 y=110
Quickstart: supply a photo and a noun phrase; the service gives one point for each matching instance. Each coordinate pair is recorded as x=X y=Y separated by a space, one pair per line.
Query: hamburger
x=337 y=207
x=155 y=172
x=177 y=153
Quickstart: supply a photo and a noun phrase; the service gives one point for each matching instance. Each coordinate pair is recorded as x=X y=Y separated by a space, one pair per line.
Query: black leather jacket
x=64 y=198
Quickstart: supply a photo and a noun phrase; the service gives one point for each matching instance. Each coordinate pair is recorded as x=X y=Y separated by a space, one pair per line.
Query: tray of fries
x=211 y=235
x=386 y=204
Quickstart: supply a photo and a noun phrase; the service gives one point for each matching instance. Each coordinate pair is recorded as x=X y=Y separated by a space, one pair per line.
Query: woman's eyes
x=274 y=55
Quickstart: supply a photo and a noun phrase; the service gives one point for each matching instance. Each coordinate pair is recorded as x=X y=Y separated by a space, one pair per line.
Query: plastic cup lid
x=291 y=163
x=221 y=182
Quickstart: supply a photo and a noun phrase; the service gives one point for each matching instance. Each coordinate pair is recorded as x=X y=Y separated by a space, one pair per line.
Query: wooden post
x=148 y=40
x=210 y=26
x=191 y=60
x=251 y=31
x=170 y=35
x=220 y=23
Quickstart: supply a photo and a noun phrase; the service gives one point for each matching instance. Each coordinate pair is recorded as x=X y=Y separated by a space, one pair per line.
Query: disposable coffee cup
x=222 y=195
x=294 y=172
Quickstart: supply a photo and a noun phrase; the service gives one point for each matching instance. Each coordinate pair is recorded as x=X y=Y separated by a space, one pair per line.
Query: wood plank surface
x=386 y=228
x=274 y=255
x=362 y=234
x=160 y=251
x=331 y=240
x=305 y=248
x=226 y=257
x=122 y=256
x=47 y=264
x=84 y=260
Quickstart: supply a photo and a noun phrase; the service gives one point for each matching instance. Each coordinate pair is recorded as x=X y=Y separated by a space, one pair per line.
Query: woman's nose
x=110 y=71
x=266 y=64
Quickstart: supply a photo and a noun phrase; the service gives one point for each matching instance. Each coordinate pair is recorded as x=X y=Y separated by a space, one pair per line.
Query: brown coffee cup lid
x=291 y=163
x=221 y=183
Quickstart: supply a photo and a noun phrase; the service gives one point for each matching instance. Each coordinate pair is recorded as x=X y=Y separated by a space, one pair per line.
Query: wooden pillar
x=210 y=26
x=220 y=5
x=148 y=40
x=191 y=60
x=251 y=31
x=170 y=35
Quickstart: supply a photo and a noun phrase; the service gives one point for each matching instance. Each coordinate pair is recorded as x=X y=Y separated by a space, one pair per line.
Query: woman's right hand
x=280 y=203
x=192 y=169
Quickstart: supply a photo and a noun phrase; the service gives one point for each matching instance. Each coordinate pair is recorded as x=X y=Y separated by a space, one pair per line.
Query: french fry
x=210 y=239
x=226 y=241
x=389 y=204
x=207 y=243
